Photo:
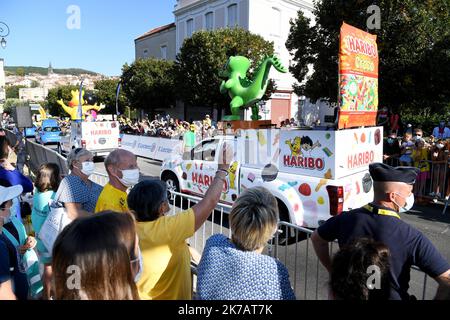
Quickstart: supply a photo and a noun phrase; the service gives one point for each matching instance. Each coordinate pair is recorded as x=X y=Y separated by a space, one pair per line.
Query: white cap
x=9 y=193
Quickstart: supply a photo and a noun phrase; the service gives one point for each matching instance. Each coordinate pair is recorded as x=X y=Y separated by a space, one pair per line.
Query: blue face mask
x=390 y=140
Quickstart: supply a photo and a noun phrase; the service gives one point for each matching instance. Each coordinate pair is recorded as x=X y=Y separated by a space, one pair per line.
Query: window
x=209 y=21
x=164 y=52
x=189 y=27
x=276 y=16
x=145 y=53
x=206 y=151
x=232 y=15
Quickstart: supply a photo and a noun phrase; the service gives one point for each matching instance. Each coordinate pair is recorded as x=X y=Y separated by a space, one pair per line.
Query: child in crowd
x=439 y=158
x=46 y=184
x=406 y=150
x=420 y=156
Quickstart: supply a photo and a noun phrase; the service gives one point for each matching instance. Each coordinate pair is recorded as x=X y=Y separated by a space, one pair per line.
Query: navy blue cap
x=385 y=173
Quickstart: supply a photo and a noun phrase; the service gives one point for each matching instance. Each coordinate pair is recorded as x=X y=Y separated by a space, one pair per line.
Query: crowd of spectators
x=125 y=245
x=431 y=154
x=167 y=127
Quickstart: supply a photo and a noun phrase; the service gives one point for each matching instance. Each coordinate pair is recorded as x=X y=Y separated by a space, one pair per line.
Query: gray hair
x=75 y=155
x=114 y=157
x=253 y=218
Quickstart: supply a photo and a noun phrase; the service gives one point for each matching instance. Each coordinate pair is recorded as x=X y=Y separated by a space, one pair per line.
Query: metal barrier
x=307 y=275
x=39 y=154
x=99 y=178
x=433 y=182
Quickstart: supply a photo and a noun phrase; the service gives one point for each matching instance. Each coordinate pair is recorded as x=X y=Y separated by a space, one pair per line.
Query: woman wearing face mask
x=421 y=156
x=391 y=150
x=162 y=238
x=10 y=174
x=76 y=192
x=441 y=131
x=439 y=158
x=103 y=251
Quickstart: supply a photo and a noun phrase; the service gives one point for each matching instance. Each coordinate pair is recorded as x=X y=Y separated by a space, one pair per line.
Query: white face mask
x=130 y=177
x=87 y=167
x=141 y=266
x=408 y=204
x=440 y=145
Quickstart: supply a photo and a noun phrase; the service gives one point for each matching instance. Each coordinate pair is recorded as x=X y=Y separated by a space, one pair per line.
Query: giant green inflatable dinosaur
x=243 y=91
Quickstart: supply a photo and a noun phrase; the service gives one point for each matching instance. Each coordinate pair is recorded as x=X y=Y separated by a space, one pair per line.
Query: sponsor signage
x=151 y=147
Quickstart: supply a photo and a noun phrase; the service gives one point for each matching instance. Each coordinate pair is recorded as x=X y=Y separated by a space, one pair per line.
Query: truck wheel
x=172 y=185
x=288 y=234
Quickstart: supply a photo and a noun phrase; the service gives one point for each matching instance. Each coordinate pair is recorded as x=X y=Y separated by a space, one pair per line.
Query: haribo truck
x=313 y=174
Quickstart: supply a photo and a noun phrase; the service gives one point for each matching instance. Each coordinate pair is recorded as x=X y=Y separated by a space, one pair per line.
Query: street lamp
x=4 y=32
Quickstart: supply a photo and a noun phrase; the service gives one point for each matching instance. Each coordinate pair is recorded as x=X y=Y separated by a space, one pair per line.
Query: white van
x=100 y=137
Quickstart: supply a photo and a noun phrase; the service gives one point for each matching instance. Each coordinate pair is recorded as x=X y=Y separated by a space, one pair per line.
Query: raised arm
x=203 y=209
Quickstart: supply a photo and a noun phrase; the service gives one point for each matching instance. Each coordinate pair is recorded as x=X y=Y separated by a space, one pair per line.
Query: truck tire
x=172 y=183
x=288 y=235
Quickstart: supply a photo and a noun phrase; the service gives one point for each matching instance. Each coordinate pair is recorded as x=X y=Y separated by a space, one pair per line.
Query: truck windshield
x=52 y=129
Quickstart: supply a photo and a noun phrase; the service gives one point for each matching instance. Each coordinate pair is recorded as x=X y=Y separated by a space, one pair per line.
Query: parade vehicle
x=99 y=137
x=48 y=132
x=314 y=175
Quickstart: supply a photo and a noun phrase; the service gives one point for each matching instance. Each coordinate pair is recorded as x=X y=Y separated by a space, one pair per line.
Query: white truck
x=313 y=174
x=100 y=137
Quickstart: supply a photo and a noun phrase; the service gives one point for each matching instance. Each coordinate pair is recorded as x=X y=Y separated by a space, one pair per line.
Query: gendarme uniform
x=407 y=245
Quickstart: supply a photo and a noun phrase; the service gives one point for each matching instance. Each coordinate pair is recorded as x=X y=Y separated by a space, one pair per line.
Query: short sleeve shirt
x=166 y=272
x=74 y=189
x=113 y=199
x=227 y=273
x=407 y=245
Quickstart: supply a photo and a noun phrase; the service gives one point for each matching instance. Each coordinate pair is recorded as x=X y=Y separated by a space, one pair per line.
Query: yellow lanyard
x=383 y=212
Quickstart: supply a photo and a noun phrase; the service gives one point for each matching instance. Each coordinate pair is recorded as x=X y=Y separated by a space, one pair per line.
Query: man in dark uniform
x=380 y=221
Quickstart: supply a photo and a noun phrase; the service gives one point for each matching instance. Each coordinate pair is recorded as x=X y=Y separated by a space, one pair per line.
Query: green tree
x=20 y=72
x=202 y=59
x=105 y=90
x=148 y=84
x=10 y=104
x=35 y=84
x=12 y=92
x=413 y=45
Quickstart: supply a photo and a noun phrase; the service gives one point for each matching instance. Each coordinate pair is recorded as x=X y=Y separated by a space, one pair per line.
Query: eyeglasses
x=77 y=150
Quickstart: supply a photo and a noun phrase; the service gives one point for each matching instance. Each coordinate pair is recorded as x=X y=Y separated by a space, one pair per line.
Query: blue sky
x=104 y=42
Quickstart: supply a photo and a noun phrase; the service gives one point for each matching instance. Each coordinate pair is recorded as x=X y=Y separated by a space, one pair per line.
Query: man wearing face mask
x=380 y=221
x=441 y=131
x=123 y=173
x=76 y=192
x=391 y=150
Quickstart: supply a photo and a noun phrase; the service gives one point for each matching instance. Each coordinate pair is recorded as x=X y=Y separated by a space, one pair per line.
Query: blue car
x=30 y=132
x=49 y=133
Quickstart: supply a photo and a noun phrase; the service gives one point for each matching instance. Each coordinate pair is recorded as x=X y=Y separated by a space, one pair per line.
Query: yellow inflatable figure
x=232 y=172
x=295 y=147
x=42 y=113
x=72 y=109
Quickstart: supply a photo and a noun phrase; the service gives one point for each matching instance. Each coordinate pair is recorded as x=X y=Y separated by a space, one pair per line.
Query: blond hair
x=253 y=219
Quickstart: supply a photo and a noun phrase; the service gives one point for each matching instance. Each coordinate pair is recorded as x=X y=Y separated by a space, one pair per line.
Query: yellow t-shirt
x=166 y=273
x=112 y=199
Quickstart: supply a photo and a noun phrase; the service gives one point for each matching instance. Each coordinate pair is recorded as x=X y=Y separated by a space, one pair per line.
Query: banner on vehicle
x=358 y=78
